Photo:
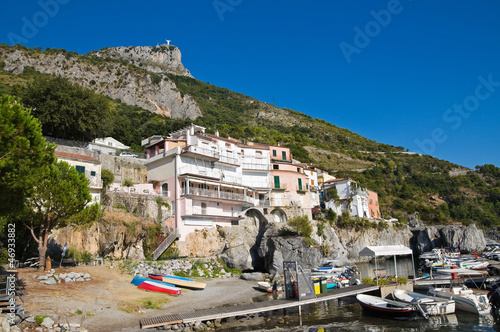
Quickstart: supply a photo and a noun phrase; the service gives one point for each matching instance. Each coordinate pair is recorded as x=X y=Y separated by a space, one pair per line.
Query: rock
x=48 y=322
x=50 y=281
x=79 y=279
x=175 y=327
x=15 y=328
x=44 y=277
x=86 y=276
x=68 y=280
x=256 y=276
x=4 y=323
x=70 y=275
x=467 y=239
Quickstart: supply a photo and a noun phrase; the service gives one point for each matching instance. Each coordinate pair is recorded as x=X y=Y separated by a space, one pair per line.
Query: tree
x=22 y=149
x=301 y=225
x=107 y=178
x=60 y=198
x=67 y=110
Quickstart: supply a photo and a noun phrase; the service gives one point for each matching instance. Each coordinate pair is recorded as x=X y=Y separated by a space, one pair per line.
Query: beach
x=101 y=304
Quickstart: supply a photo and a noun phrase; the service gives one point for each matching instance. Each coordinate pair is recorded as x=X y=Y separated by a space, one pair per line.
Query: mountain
x=154 y=93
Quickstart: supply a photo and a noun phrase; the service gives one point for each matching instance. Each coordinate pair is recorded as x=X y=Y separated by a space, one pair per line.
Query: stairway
x=165 y=244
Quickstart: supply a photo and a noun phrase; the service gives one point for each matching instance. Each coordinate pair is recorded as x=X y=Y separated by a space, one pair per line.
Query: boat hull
x=184 y=282
x=382 y=307
x=156 y=287
x=464 y=302
x=433 y=306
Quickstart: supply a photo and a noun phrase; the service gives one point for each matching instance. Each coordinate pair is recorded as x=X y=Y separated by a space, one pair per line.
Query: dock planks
x=252 y=308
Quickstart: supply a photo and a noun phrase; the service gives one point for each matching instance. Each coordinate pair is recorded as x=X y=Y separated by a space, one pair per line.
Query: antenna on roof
x=168 y=42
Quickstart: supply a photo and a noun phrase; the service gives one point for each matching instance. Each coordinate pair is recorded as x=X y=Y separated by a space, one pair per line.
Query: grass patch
x=142 y=304
x=39 y=319
x=79 y=312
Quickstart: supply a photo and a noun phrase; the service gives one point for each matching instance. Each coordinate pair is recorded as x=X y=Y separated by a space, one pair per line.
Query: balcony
x=211 y=193
x=302 y=189
x=196 y=150
x=256 y=166
x=229 y=160
x=279 y=186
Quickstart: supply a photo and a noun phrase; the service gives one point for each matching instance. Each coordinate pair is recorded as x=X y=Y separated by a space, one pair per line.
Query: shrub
x=301 y=226
x=128 y=183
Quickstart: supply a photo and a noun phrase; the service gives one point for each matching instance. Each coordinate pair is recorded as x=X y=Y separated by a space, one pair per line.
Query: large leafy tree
x=67 y=110
x=22 y=149
x=60 y=199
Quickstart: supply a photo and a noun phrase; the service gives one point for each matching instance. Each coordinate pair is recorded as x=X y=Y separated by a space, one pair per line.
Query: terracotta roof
x=335 y=180
x=75 y=156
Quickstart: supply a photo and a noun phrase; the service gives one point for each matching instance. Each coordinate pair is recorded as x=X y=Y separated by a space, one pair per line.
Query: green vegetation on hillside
x=406 y=183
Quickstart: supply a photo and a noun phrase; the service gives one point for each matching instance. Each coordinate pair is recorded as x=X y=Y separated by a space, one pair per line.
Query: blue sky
x=420 y=74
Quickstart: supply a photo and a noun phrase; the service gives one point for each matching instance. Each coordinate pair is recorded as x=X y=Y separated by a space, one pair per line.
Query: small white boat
x=389 y=308
x=433 y=306
x=267 y=287
x=463 y=272
x=465 y=299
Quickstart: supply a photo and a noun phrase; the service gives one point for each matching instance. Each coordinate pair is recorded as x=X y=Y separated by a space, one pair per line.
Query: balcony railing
x=213 y=193
x=264 y=202
x=259 y=167
x=229 y=160
x=280 y=186
x=202 y=151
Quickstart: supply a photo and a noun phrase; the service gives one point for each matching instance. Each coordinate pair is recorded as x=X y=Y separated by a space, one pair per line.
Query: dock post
x=300 y=315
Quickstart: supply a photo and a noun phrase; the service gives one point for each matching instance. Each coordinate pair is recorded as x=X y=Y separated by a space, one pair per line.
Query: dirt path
x=99 y=304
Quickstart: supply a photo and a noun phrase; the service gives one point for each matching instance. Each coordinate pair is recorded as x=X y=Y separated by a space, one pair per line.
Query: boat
x=465 y=299
x=432 y=306
x=151 y=285
x=389 y=308
x=184 y=282
x=462 y=273
x=156 y=276
x=137 y=280
x=155 y=285
x=267 y=287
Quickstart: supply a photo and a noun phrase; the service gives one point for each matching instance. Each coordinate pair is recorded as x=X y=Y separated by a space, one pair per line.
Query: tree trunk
x=42 y=248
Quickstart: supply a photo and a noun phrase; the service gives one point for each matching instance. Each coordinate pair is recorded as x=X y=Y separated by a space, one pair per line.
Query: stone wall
x=122 y=167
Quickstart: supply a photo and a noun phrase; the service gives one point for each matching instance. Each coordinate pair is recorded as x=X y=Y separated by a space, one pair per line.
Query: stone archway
x=279 y=216
x=260 y=221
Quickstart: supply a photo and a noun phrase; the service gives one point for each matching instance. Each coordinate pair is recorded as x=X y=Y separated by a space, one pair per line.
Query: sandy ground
x=94 y=304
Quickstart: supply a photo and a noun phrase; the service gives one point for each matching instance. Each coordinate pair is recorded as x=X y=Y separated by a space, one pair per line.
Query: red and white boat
x=157 y=287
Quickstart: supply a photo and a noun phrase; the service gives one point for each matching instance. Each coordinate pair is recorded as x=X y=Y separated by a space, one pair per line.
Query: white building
x=85 y=165
x=211 y=180
x=351 y=197
x=107 y=145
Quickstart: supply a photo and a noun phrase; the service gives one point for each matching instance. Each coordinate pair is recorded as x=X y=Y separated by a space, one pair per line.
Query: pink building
x=373 y=205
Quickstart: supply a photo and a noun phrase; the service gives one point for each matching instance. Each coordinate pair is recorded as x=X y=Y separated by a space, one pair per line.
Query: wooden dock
x=252 y=308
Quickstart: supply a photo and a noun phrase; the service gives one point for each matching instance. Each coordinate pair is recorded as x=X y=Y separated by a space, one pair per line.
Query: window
x=274 y=153
x=80 y=169
x=276 y=182
x=232 y=211
x=300 y=184
x=283 y=155
x=164 y=189
x=228 y=145
x=203 y=208
x=298 y=169
x=276 y=166
x=92 y=173
x=203 y=186
x=258 y=153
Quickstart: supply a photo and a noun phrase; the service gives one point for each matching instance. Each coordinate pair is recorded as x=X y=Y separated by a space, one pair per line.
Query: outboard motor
x=494 y=295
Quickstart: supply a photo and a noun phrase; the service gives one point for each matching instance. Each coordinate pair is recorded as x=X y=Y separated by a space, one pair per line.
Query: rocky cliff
x=467 y=239
x=158 y=59
x=133 y=75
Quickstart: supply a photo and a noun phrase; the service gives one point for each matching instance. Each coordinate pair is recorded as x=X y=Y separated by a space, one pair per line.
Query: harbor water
x=346 y=314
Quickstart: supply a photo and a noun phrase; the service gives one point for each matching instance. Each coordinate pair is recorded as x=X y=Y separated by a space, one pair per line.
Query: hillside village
x=211 y=181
